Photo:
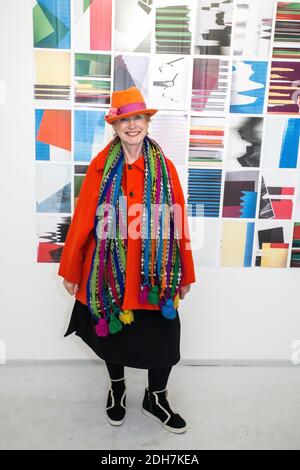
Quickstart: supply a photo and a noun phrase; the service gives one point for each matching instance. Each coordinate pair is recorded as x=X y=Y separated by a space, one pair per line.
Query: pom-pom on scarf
x=160 y=257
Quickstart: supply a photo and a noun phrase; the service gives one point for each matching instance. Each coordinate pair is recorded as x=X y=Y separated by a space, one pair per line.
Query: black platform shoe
x=116 y=402
x=156 y=406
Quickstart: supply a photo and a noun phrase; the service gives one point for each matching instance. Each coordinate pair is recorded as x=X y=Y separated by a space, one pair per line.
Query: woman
x=127 y=260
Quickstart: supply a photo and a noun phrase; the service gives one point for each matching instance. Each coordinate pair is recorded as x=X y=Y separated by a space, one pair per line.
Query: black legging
x=157 y=378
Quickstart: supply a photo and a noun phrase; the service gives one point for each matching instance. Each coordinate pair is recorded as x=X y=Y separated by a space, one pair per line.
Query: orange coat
x=79 y=246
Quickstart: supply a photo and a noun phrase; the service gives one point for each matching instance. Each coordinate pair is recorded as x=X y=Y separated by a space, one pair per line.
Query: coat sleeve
x=188 y=270
x=81 y=227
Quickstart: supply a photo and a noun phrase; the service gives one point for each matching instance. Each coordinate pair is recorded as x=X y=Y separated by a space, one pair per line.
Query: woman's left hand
x=184 y=290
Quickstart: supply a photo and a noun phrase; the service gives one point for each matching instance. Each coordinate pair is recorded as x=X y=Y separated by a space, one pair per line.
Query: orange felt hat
x=127 y=103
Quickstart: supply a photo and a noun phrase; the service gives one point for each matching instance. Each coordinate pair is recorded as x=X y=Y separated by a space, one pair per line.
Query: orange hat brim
x=110 y=120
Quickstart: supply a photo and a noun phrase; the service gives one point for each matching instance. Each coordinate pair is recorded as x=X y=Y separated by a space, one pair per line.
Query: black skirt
x=150 y=342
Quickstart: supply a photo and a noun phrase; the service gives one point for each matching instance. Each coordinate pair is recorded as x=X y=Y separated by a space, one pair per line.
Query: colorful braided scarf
x=160 y=258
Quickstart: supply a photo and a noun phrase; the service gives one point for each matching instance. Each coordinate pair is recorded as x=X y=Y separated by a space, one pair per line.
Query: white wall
x=229 y=314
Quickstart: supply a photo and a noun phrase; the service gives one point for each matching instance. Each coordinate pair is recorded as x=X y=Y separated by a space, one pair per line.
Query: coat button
x=131 y=194
x=130 y=167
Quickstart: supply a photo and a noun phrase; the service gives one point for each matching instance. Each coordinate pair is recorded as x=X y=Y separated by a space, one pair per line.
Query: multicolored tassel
x=168 y=310
x=114 y=324
x=126 y=317
x=101 y=328
x=176 y=301
x=143 y=294
x=153 y=297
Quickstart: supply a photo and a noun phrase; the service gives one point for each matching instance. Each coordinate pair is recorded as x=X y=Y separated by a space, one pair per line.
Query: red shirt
x=77 y=254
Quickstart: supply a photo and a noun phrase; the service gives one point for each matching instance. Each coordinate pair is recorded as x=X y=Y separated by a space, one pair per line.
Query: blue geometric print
x=290 y=144
x=204 y=192
x=42 y=151
x=258 y=76
x=89 y=132
x=248 y=205
x=249 y=244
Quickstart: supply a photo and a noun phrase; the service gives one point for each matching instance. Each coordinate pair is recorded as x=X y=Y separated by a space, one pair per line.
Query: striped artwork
x=284 y=89
x=92 y=92
x=206 y=142
x=210 y=86
x=252 y=29
x=173 y=142
x=92 y=75
x=172 y=30
x=295 y=256
x=204 y=191
x=52 y=75
x=287 y=31
x=213 y=27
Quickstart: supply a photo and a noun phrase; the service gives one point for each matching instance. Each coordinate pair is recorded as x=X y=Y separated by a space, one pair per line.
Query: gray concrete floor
x=61 y=406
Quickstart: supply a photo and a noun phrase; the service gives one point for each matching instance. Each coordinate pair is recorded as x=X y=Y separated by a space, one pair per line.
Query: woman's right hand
x=70 y=287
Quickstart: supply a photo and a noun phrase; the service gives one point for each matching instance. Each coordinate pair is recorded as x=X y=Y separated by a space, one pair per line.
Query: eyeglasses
x=137 y=117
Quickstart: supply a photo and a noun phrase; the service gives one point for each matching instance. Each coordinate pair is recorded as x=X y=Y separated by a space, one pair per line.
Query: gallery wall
x=225 y=77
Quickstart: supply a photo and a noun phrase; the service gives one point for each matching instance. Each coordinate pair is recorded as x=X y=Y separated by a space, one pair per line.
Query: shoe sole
x=115 y=423
x=174 y=430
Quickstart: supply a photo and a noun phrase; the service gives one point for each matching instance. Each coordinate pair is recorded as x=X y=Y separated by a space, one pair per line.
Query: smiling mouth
x=133 y=134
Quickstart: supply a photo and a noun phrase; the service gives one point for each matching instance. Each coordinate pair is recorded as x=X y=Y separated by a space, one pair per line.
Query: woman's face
x=132 y=129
